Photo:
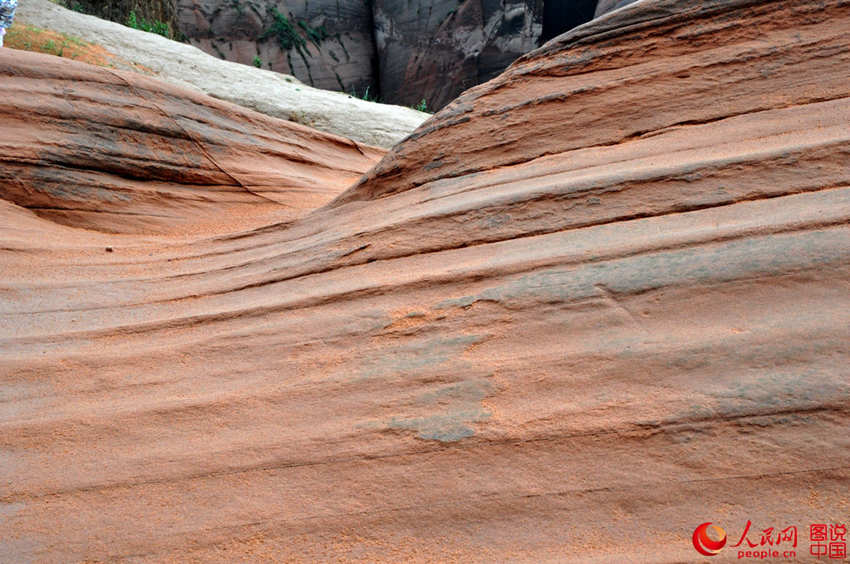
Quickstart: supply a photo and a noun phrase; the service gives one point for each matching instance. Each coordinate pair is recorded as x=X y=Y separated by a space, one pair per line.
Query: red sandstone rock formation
x=590 y=305
x=117 y=151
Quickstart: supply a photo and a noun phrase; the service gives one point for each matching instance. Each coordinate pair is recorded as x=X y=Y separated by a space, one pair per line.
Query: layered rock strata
x=116 y=151
x=592 y=304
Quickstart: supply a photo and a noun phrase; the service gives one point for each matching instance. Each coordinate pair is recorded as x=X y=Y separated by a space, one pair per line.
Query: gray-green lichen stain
x=460 y=406
x=413 y=357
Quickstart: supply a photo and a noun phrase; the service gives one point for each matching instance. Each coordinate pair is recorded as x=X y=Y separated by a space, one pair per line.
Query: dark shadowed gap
x=563 y=15
x=376 y=57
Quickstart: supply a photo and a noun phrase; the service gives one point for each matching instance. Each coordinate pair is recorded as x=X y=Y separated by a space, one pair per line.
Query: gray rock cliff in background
x=325 y=43
x=404 y=51
x=436 y=49
x=400 y=51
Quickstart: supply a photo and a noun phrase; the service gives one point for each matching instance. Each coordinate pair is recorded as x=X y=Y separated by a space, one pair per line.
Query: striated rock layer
x=590 y=305
x=117 y=151
x=261 y=90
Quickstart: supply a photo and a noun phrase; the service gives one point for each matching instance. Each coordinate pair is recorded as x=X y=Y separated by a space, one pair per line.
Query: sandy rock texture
x=265 y=91
x=331 y=47
x=102 y=149
x=593 y=303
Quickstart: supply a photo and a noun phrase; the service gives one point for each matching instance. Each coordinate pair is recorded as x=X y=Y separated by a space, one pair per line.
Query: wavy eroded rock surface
x=588 y=306
x=261 y=90
x=117 y=151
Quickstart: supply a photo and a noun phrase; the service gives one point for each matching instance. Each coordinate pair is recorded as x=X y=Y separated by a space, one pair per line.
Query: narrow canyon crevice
x=560 y=16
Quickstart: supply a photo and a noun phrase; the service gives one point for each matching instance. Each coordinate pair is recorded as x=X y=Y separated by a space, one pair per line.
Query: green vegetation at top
x=366 y=96
x=315 y=34
x=132 y=20
x=158 y=27
x=422 y=106
x=287 y=34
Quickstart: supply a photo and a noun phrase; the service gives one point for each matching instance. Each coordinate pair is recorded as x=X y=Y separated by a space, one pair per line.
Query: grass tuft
x=156 y=26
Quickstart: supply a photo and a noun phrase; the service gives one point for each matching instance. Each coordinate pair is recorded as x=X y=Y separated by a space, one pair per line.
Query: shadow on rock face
x=560 y=17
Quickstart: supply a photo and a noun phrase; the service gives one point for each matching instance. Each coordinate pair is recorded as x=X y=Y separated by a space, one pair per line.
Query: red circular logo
x=706 y=545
